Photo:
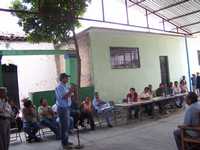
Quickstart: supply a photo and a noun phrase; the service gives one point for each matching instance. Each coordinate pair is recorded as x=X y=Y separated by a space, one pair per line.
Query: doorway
x=10 y=81
x=164 y=69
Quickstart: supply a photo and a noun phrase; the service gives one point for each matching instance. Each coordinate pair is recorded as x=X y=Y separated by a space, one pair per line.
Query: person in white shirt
x=5 y=118
x=177 y=90
x=103 y=108
x=145 y=95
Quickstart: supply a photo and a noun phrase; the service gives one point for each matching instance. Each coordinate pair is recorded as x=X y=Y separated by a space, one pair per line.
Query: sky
x=8 y=22
x=114 y=11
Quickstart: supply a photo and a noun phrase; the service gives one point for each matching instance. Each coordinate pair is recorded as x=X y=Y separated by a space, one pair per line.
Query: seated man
x=170 y=89
x=103 y=108
x=191 y=118
x=145 y=95
x=48 y=118
x=30 y=124
x=86 y=113
x=161 y=90
x=132 y=96
x=16 y=121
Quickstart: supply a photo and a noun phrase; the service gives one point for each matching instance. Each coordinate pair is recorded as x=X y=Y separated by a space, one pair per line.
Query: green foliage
x=52 y=21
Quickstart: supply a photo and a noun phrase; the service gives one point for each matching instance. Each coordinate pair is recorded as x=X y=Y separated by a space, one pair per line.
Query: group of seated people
x=148 y=93
x=46 y=116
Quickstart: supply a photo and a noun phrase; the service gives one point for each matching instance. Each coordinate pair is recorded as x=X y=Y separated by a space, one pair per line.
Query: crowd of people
x=195 y=81
x=68 y=113
x=148 y=93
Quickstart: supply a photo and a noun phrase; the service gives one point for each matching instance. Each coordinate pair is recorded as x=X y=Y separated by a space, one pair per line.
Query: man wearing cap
x=5 y=115
x=63 y=94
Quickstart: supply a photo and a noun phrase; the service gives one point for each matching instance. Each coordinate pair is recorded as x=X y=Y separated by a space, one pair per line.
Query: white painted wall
x=35 y=73
x=193 y=47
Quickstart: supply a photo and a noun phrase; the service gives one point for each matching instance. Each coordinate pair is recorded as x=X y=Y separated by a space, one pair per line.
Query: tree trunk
x=78 y=64
x=57 y=60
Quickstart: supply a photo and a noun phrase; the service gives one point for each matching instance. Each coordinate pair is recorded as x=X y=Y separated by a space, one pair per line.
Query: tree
x=51 y=21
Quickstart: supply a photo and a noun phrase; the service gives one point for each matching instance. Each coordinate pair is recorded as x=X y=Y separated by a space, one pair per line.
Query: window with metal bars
x=124 y=57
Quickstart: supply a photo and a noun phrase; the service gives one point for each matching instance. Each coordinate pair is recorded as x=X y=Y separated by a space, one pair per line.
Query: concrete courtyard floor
x=145 y=135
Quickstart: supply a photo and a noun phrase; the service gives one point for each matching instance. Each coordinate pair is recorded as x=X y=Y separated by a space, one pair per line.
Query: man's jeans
x=64 y=117
x=52 y=124
x=31 y=128
x=107 y=114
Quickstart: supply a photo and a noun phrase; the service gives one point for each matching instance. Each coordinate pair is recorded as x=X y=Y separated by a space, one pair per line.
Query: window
x=198 y=54
x=122 y=57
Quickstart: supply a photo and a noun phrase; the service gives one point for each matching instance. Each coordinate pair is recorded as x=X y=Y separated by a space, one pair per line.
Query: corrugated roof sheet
x=186 y=11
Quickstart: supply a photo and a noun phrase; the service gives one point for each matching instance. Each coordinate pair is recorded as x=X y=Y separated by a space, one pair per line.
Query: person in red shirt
x=131 y=97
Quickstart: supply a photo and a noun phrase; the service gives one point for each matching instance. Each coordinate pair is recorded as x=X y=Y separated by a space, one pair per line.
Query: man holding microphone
x=63 y=94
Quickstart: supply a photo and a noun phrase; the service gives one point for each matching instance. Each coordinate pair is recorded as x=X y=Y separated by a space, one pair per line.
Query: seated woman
x=151 y=91
x=132 y=96
x=86 y=113
x=103 y=108
x=145 y=95
x=177 y=90
x=48 y=118
x=183 y=86
x=30 y=123
x=16 y=121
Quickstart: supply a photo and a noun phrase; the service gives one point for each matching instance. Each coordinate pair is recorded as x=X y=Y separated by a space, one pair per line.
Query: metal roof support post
x=163 y=22
x=147 y=18
x=127 y=15
x=103 y=12
x=188 y=61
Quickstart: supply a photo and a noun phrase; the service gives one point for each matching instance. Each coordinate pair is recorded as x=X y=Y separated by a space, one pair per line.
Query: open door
x=10 y=81
x=164 y=69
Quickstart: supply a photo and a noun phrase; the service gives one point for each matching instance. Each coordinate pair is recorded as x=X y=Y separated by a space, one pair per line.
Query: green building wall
x=113 y=84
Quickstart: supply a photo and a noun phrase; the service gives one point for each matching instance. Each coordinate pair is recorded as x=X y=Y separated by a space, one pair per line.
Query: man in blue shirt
x=63 y=94
x=103 y=108
x=194 y=82
x=191 y=118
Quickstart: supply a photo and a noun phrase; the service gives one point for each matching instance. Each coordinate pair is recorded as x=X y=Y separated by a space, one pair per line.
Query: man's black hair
x=63 y=76
x=193 y=97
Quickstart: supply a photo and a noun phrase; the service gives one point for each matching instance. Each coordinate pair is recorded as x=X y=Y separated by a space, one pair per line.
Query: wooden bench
x=186 y=139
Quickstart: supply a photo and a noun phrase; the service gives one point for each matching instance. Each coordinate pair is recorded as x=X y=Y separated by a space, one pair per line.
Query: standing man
x=63 y=94
x=198 y=83
x=194 y=82
x=5 y=118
